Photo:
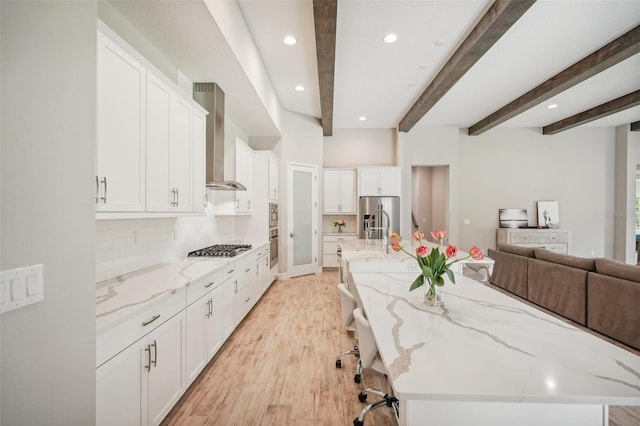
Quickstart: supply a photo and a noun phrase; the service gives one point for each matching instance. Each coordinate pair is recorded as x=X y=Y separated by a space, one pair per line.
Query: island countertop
x=486 y=346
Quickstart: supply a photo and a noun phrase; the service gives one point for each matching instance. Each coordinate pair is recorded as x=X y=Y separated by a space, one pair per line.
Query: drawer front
x=120 y=335
x=330 y=260
x=524 y=237
x=554 y=237
x=197 y=288
x=558 y=248
x=330 y=247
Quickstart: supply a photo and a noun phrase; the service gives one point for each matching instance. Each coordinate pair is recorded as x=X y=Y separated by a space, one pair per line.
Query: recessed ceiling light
x=390 y=38
x=290 y=40
x=362 y=118
x=299 y=87
x=440 y=42
x=552 y=106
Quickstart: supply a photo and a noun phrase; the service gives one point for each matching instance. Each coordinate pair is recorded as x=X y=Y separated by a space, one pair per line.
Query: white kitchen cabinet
x=339 y=191
x=274 y=171
x=199 y=152
x=150 y=138
x=330 y=249
x=244 y=175
x=141 y=384
x=238 y=167
x=208 y=298
x=169 y=149
x=382 y=181
x=120 y=141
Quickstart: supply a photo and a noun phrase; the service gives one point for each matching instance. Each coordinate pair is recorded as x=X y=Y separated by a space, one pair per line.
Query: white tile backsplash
x=124 y=246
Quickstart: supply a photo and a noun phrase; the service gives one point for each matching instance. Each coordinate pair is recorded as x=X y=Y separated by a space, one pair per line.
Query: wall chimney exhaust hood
x=211 y=97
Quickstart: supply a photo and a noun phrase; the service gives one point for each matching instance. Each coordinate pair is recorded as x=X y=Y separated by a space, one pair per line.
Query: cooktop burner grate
x=220 y=250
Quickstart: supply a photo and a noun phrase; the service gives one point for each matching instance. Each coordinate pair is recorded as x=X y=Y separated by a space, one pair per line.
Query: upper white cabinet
x=339 y=191
x=273 y=178
x=150 y=137
x=244 y=175
x=170 y=143
x=238 y=167
x=384 y=181
x=199 y=147
x=120 y=142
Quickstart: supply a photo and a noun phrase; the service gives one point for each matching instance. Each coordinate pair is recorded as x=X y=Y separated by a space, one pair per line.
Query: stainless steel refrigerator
x=372 y=221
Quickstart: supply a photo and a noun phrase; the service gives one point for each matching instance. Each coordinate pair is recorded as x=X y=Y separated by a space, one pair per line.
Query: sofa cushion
x=617 y=269
x=509 y=272
x=613 y=308
x=565 y=259
x=559 y=288
x=522 y=251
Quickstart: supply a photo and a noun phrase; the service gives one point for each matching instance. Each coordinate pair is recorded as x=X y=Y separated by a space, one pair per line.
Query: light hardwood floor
x=278 y=367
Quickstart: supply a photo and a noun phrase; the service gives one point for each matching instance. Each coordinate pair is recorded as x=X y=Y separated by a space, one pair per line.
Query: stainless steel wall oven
x=273 y=234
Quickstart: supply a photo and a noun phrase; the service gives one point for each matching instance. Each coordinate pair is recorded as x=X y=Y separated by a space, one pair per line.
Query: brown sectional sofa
x=601 y=294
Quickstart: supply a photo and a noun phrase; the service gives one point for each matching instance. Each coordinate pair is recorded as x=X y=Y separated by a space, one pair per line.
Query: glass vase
x=432 y=296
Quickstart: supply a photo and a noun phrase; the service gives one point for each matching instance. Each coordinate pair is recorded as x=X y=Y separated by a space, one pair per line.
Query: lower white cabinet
x=141 y=384
x=208 y=326
x=330 y=249
x=147 y=361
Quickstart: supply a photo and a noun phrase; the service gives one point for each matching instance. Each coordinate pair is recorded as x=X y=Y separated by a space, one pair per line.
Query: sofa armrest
x=509 y=272
x=613 y=308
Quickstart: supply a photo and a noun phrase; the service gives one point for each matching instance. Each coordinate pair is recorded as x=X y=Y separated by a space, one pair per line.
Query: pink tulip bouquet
x=434 y=264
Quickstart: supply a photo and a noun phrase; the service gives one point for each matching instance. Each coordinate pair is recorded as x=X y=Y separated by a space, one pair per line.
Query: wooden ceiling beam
x=611 y=54
x=635 y=126
x=324 y=18
x=619 y=104
x=496 y=21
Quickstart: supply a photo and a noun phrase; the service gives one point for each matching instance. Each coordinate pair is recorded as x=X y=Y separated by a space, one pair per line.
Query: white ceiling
x=382 y=81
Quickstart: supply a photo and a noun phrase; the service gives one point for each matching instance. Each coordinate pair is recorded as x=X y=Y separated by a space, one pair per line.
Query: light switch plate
x=21 y=287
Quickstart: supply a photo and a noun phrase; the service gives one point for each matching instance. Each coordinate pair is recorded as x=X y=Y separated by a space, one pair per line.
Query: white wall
x=506 y=168
x=515 y=168
x=48 y=70
x=360 y=147
x=626 y=153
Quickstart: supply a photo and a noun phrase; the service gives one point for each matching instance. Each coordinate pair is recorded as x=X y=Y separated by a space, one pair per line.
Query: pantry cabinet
x=339 y=191
x=379 y=181
x=274 y=171
x=120 y=141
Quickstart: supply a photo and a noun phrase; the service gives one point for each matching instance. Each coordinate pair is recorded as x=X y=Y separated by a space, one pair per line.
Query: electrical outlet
x=21 y=287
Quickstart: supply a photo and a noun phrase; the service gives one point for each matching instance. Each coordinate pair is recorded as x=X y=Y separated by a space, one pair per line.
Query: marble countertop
x=124 y=295
x=375 y=249
x=486 y=346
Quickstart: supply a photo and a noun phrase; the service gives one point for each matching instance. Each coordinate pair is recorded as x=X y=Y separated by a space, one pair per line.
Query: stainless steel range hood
x=211 y=97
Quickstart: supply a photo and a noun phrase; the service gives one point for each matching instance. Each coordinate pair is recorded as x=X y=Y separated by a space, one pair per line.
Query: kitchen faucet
x=388 y=228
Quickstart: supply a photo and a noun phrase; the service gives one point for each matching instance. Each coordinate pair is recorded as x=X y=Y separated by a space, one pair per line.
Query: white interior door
x=302 y=220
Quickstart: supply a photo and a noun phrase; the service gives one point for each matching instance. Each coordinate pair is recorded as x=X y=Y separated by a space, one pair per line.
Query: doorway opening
x=429 y=198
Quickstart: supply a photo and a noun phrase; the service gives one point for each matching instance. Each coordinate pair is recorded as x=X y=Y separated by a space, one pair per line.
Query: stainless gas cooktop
x=220 y=250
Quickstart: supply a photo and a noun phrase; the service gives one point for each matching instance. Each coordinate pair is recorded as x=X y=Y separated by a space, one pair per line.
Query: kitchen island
x=376 y=251
x=488 y=359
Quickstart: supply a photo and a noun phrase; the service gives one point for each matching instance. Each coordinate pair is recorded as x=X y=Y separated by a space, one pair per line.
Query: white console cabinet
x=551 y=239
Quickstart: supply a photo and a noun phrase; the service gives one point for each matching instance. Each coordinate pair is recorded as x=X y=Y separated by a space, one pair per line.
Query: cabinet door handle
x=155 y=353
x=148 y=350
x=238 y=204
x=104 y=198
x=249 y=204
x=177 y=197
x=97 y=189
x=210 y=307
x=208 y=315
x=209 y=285
x=146 y=323
x=247 y=270
x=230 y=271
